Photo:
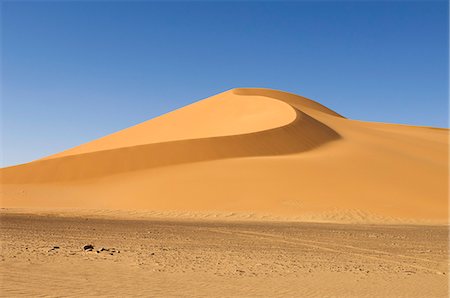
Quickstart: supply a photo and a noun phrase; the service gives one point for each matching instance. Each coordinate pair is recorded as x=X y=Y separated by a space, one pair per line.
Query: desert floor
x=45 y=256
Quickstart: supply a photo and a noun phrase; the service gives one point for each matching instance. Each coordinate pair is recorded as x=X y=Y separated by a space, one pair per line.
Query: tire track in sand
x=325 y=246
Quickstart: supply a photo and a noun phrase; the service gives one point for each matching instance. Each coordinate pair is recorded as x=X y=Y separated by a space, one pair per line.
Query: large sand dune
x=247 y=153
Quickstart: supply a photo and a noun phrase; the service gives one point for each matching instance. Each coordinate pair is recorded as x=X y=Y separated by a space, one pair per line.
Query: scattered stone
x=88 y=247
x=152 y=254
x=111 y=251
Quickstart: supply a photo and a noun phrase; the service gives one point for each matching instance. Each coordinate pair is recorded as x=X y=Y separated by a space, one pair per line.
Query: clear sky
x=75 y=71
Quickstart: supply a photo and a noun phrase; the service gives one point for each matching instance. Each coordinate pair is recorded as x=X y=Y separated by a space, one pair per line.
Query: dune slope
x=255 y=153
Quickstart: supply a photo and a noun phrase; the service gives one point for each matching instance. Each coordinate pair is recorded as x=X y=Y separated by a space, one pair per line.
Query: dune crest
x=247 y=150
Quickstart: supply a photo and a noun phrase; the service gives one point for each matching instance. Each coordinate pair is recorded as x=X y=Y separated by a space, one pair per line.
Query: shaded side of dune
x=303 y=134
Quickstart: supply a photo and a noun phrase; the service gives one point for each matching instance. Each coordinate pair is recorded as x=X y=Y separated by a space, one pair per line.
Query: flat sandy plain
x=43 y=256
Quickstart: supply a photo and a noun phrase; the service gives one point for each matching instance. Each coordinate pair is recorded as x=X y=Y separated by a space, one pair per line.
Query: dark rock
x=88 y=247
x=111 y=251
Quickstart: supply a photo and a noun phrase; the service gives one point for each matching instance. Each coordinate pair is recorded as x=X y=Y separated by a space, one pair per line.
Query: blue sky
x=76 y=71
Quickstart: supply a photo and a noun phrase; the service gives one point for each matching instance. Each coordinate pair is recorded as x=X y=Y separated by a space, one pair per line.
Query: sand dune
x=260 y=152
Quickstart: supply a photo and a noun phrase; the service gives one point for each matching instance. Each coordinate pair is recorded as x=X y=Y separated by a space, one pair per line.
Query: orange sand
x=254 y=153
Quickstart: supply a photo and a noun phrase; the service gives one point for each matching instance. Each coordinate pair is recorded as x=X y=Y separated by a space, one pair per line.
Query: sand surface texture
x=44 y=256
x=257 y=152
